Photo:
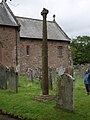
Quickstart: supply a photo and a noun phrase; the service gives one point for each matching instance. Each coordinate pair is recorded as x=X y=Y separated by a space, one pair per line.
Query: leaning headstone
x=12 y=84
x=65 y=92
x=3 y=80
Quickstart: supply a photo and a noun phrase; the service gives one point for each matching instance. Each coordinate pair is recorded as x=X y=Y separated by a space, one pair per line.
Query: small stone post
x=45 y=83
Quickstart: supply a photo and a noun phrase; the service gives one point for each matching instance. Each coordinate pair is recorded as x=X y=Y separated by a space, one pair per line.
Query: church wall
x=33 y=59
x=8 y=36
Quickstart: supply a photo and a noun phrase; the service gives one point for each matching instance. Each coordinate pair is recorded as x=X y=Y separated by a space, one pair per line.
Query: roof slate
x=6 y=16
x=32 y=28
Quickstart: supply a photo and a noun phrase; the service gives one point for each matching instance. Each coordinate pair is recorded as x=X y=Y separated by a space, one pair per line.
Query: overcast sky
x=72 y=15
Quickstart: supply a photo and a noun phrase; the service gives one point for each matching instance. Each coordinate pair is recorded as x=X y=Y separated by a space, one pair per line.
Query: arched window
x=1 y=47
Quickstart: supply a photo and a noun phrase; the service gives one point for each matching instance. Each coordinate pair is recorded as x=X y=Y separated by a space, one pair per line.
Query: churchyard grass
x=24 y=105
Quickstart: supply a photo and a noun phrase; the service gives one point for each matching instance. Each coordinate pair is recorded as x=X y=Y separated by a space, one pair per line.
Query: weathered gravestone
x=40 y=74
x=12 y=80
x=3 y=77
x=34 y=74
x=29 y=74
x=65 y=91
x=80 y=70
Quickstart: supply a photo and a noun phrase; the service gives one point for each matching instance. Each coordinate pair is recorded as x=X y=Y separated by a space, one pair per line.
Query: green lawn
x=24 y=105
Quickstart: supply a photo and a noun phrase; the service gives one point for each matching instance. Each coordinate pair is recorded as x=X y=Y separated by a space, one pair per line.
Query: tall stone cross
x=45 y=83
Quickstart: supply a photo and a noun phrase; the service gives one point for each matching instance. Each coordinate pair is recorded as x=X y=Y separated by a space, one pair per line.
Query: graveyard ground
x=24 y=104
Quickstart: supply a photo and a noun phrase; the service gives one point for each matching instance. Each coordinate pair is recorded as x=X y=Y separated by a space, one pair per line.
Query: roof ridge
x=28 y=18
x=61 y=30
x=31 y=18
x=9 y=10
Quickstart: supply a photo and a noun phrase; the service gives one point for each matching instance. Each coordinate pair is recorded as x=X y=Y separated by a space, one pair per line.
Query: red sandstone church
x=21 y=42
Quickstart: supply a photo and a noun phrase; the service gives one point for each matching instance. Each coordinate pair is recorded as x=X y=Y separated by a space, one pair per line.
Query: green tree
x=80 y=50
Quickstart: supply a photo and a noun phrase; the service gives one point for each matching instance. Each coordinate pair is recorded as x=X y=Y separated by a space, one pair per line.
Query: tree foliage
x=80 y=50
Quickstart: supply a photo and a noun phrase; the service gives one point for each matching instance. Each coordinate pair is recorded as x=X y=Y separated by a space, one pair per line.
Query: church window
x=59 y=51
x=27 y=50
